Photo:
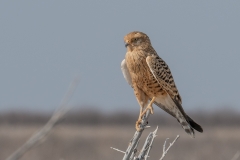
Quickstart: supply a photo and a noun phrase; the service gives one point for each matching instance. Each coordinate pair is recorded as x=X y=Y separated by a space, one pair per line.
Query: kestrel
x=151 y=79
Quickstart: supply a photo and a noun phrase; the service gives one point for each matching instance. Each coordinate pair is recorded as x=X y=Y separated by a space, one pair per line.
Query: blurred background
x=45 y=44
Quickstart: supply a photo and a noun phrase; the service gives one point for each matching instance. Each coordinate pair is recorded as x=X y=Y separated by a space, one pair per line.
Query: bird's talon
x=137 y=125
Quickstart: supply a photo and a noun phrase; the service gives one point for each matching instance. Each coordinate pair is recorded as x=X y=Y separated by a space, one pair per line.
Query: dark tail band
x=194 y=125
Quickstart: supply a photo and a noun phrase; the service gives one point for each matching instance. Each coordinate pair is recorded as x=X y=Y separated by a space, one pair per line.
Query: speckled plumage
x=151 y=77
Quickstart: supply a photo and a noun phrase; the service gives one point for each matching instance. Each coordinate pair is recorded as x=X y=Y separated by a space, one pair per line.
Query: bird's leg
x=142 y=99
x=139 y=121
x=148 y=107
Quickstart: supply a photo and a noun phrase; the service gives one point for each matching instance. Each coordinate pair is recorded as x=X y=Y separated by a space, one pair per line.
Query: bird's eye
x=135 y=39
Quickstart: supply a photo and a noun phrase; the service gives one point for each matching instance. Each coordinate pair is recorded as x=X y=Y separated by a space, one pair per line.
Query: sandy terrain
x=76 y=142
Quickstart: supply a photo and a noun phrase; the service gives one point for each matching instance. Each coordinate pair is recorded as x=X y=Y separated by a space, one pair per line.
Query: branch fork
x=130 y=153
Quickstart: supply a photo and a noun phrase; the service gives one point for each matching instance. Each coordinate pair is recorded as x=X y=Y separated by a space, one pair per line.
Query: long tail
x=188 y=124
x=185 y=124
x=175 y=109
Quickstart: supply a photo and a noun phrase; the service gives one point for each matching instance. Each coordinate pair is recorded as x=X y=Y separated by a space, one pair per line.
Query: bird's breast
x=136 y=64
x=141 y=74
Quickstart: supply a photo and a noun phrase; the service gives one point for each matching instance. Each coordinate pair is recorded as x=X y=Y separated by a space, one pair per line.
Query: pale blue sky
x=44 y=44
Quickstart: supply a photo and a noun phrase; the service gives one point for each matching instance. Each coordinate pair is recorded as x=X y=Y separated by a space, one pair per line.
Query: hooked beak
x=126 y=44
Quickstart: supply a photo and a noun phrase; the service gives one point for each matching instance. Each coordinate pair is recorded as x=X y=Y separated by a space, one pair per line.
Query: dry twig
x=170 y=145
x=131 y=150
x=144 y=154
x=58 y=114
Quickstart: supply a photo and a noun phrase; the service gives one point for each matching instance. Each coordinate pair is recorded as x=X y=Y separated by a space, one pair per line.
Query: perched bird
x=151 y=79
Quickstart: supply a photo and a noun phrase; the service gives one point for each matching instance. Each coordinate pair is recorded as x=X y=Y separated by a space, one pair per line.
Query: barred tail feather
x=185 y=124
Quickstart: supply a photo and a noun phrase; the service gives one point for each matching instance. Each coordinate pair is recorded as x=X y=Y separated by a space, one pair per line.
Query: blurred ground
x=91 y=137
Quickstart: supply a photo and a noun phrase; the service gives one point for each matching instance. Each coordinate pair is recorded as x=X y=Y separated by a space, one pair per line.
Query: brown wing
x=162 y=73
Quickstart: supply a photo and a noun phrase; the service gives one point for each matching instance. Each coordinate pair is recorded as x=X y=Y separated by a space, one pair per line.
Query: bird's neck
x=146 y=51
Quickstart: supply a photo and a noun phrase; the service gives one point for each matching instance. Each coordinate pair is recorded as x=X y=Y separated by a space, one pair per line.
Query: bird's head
x=136 y=40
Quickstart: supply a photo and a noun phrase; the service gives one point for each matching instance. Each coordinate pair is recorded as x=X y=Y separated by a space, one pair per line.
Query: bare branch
x=147 y=146
x=236 y=156
x=134 y=142
x=170 y=145
x=58 y=114
x=117 y=150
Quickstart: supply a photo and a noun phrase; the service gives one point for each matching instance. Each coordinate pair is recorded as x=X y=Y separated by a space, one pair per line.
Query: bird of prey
x=151 y=79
